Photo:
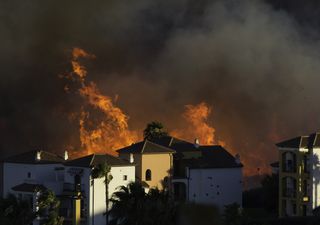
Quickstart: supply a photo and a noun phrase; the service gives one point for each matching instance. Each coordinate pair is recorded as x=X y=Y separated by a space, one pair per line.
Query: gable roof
x=313 y=140
x=210 y=156
x=95 y=159
x=213 y=156
x=25 y=187
x=30 y=158
x=145 y=147
x=176 y=144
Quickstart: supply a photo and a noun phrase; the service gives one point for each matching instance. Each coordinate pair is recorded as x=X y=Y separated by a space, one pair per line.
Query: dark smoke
x=256 y=63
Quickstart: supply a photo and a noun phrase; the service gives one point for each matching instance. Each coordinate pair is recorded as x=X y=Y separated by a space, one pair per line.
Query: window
x=125 y=177
x=148 y=174
x=29 y=175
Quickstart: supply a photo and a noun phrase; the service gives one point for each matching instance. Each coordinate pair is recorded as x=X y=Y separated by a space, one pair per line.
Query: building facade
x=154 y=163
x=27 y=174
x=299 y=175
x=192 y=172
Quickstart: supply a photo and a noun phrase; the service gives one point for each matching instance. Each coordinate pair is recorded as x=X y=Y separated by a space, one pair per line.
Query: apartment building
x=299 y=175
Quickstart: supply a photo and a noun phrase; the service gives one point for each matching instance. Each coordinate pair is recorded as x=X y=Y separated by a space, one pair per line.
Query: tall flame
x=99 y=134
x=197 y=125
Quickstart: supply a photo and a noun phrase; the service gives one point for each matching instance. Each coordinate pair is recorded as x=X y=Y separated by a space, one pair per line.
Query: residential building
x=154 y=162
x=204 y=174
x=299 y=175
x=26 y=174
x=197 y=173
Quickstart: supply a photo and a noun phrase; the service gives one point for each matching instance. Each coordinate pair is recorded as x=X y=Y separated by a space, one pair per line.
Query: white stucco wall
x=118 y=180
x=15 y=174
x=97 y=202
x=219 y=187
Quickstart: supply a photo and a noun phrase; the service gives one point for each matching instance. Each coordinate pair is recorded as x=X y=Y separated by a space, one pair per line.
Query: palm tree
x=154 y=130
x=128 y=205
x=132 y=206
x=100 y=171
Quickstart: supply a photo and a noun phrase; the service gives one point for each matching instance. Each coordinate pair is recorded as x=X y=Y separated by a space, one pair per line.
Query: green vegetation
x=49 y=208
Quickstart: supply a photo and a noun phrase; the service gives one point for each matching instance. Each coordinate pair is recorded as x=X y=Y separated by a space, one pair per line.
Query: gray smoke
x=256 y=63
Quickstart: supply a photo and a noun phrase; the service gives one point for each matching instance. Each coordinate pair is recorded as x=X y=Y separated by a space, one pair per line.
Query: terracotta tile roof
x=30 y=158
x=95 y=159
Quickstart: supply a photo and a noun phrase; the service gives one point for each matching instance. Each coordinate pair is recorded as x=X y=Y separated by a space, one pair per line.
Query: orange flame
x=197 y=124
x=105 y=134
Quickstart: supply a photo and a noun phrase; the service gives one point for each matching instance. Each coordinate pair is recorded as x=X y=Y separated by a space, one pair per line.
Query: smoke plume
x=255 y=63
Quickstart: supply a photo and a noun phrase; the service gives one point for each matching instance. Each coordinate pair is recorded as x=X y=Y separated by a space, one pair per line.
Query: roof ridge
x=92 y=159
x=171 y=140
x=144 y=145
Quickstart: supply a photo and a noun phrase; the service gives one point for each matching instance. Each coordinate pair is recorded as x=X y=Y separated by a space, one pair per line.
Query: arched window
x=148 y=174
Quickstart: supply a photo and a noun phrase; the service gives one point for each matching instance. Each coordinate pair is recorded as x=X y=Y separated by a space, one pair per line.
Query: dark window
x=148 y=174
x=29 y=175
x=218 y=193
x=218 y=186
x=125 y=177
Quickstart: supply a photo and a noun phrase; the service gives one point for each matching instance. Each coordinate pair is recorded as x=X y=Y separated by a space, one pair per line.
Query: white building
x=94 y=192
x=204 y=174
x=25 y=174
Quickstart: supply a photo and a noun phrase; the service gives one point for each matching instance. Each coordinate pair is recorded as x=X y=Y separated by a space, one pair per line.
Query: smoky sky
x=256 y=63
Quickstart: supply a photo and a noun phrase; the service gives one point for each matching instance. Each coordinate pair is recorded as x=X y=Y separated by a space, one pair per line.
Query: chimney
x=237 y=159
x=38 y=155
x=66 y=156
x=196 y=143
x=131 y=158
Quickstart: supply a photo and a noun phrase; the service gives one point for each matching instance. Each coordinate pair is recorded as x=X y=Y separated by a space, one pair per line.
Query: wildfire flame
x=103 y=127
x=99 y=134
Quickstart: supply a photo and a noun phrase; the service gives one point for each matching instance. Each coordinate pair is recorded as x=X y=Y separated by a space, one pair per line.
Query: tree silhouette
x=132 y=206
x=14 y=211
x=154 y=130
x=49 y=208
